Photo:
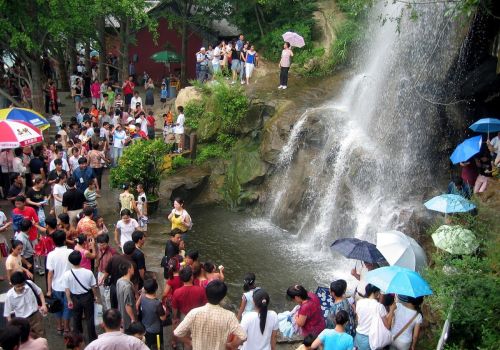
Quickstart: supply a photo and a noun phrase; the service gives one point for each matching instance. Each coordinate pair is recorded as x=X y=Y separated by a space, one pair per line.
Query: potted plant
x=142 y=162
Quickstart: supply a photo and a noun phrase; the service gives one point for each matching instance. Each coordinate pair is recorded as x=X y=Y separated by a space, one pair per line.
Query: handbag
x=378 y=335
x=53 y=304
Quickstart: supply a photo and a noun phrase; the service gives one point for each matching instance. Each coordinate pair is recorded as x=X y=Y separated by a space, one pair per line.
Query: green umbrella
x=455 y=239
x=166 y=57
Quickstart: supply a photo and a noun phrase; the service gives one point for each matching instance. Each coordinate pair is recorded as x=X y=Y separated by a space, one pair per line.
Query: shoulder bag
x=80 y=283
x=406 y=326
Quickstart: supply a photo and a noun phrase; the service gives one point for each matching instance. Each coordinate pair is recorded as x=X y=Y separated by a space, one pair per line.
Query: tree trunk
x=184 y=49
x=88 y=69
x=101 y=28
x=37 y=94
x=63 y=73
x=124 y=41
x=72 y=54
x=258 y=21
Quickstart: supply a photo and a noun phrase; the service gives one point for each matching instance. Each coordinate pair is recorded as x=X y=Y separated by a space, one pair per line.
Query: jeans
x=84 y=304
x=117 y=153
x=284 y=76
x=66 y=313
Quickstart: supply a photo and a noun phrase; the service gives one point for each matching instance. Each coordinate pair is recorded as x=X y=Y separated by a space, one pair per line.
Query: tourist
x=87 y=226
x=250 y=60
x=136 y=102
x=243 y=58
x=57 y=265
x=150 y=125
x=407 y=321
x=58 y=192
x=211 y=326
x=113 y=338
x=128 y=90
x=187 y=297
x=16 y=188
x=307 y=342
x=22 y=211
x=285 y=63
x=73 y=201
x=25 y=299
x=201 y=65
x=179 y=217
x=211 y=272
x=125 y=294
x=10 y=338
x=79 y=282
x=60 y=154
x=119 y=140
x=335 y=339
x=58 y=171
x=95 y=91
x=469 y=172
x=36 y=198
x=141 y=207
x=21 y=235
x=101 y=226
x=149 y=86
x=458 y=187
x=139 y=239
x=366 y=309
x=83 y=175
x=104 y=254
x=14 y=261
x=174 y=245
x=152 y=313
x=485 y=169
x=28 y=342
x=87 y=249
x=249 y=288
x=216 y=56
x=171 y=274
x=235 y=63
x=124 y=228
x=179 y=129
x=137 y=330
x=309 y=317
x=91 y=196
x=163 y=95
x=361 y=277
x=261 y=324
x=337 y=292
x=77 y=92
x=97 y=159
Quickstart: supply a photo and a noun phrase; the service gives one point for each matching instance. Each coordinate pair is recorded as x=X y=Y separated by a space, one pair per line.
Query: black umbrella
x=354 y=248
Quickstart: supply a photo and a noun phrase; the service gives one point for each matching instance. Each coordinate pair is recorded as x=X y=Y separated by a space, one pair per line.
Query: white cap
x=130 y=119
x=202 y=49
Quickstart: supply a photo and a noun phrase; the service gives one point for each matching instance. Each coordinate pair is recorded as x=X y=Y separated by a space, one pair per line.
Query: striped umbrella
x=25 y=115
x=15 y=134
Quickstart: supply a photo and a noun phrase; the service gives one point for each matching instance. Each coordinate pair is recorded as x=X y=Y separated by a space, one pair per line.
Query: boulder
x=208 y=129
x=189 y=93
x=187 y=183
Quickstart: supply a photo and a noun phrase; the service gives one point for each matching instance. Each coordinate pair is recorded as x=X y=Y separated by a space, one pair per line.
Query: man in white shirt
x=179 y=129
x=216 y=59
x=79 y=284
x=135 y=100
x=65 y=165
x=57 y=264
x=495 y=143
x=23 y=300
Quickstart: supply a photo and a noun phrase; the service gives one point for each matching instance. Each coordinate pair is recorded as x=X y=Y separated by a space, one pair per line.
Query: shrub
x=211 y=151
x=180 y=162
x=193 y=111
x=142 y=162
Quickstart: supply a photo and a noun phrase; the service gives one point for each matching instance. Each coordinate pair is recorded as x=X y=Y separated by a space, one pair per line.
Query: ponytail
x=249 y=281
x=261 y=300
x=172 y=266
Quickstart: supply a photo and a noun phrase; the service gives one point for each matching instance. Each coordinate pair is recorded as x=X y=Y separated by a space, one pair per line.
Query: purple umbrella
x=294 y=39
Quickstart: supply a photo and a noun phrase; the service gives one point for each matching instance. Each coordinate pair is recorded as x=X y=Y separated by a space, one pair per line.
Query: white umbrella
x=401 y=250
x=294 y=39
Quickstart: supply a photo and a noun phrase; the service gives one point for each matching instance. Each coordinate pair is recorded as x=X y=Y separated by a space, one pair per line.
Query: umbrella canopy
x=466 y=149
x=166 y=57
x=94 y=53
x=486 y=125
x=24 y=115
x=294 y=39
x=401 y=250
x=449 y=203
x=15 y=134
x=399 y=280
x=455 y=239
x=354 y=248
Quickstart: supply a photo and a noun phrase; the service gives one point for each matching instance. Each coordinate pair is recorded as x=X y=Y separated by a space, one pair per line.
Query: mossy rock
x=208 y=129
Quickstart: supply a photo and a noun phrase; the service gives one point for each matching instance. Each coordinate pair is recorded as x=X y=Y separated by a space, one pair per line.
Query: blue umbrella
x=354 y=248
x=398 y=280
x=486 y=125
x=449 y=203
x=466 y=149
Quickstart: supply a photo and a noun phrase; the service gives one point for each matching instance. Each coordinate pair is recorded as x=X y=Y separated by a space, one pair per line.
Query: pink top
x=85 y=263
x=285 y=58
x=95 y=90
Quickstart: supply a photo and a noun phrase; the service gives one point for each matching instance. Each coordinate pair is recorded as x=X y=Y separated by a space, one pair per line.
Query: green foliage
x=348 y=34
x=469 y=286
x=180 y=162
x=193 y=111
x=142 y=162
x=210 y=151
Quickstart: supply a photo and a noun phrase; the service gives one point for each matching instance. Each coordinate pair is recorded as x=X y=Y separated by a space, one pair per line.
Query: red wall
x=145 y=47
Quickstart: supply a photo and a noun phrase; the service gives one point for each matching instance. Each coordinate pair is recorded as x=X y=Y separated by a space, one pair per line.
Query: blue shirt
x=333 y=340
x=82 y=177
x=164 y=93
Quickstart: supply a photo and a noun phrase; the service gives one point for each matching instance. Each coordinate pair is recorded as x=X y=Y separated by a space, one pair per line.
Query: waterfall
x=376 y=154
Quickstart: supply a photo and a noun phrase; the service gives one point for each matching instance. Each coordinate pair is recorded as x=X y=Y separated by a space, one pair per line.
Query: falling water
x=377 y=151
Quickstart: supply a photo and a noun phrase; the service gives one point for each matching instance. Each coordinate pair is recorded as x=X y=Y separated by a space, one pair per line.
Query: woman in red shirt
x=128 y=90
x=309 y=317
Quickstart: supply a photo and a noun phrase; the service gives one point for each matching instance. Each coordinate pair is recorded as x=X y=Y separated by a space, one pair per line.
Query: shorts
x=235 y=65
x=178 y=138
x=78 y=98
x=66 y=313
x=163 y=100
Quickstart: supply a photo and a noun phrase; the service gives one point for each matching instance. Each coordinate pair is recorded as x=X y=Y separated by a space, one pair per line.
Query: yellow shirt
x=126 y=200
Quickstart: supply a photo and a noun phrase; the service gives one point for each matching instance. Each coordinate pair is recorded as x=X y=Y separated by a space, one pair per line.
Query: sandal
x=60 y=331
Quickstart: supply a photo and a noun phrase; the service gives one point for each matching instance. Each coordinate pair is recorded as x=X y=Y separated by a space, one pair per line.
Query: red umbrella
x=15 y=134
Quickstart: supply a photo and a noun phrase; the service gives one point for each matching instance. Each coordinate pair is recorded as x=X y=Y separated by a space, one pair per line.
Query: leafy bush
x=211 y=151
x=142 y=162
x=180 y=162
x=193 y=111
x=348 y=34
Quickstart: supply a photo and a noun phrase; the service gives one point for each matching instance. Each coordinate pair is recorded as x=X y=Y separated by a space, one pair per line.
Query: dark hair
x=297 y=291
x=73 y=340
x=249 y=281
x=180 y=109
x=287 y=44
x=173 y=265
x=51 y=221
x=216 y=290
x=88 y=211
x=13 y=177
x=59 y=238
x=193 y=255
x=128 y=247
x=124 y=267
x=137 y=236
x=370 y=289
x=71 y=182
x=75 y=257
x=179 y=200
x=387 y=299
x=208 y=266
x=20 y=198
x=57 y=161
x=186 y=273
x=341 y=317
x=82 y=160
x=18 y=152
x=102 y=238
x=64 y=217
x=338 y=287
x=309 y=339
x=150 y=286
x=176 y=231
x=417 y=302
x=112 y=319
x=17 y=277
x=10 y=337
x=15 y=243
x=261 y=300
x=25 y=225
x=125 y=212
x=23 y=325
x=135 y=328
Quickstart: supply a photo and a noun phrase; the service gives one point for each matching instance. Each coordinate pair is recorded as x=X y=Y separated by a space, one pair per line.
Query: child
x=163 y=95
x=247 y=304
x=152 y=314
x=306 y=343
x=142 y=208
x=91 y=196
